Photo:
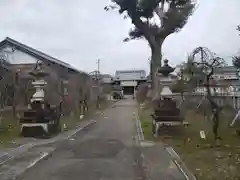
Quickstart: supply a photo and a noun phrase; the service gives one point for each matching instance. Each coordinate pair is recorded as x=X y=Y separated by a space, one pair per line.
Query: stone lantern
x=165 y=111
x=39 y=84
x=40 y=119
x=164 y=79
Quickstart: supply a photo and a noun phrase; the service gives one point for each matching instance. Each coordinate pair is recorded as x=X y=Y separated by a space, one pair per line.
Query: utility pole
x=98 y=68
x=98 y=78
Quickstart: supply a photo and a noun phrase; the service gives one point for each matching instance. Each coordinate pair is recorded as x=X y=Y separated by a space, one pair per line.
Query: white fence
x=221 y=100
x=198 y=99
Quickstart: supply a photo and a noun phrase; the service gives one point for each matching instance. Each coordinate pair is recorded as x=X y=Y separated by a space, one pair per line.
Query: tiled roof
x=125 y=75
x=225 y=69
x=37 y=53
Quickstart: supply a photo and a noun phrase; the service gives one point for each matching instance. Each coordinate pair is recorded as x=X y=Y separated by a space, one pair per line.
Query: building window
x=65 y=87
x=65 y=82
x=65 y=91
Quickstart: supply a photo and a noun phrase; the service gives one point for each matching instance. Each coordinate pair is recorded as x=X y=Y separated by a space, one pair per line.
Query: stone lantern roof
x=165 y=70
x=38 y=72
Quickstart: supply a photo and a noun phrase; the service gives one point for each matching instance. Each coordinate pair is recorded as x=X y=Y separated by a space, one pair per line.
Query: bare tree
x=204 y=62
x=3 y=71
x=236 y=59
x=181 y=85
x=14 y=75
x=142 y=92
x=6 y=79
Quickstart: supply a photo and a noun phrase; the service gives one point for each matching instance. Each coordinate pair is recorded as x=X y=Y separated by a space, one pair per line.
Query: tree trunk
x=14 y=102
x=14 y=97
x=216 y=111
x=155 y=61
x=216 y=124
x=156 y=58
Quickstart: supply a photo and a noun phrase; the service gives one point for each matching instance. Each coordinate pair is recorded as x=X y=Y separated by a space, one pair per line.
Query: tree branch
x=159 y=10
x=146 y=30
x=238 y=28
x=175 y=17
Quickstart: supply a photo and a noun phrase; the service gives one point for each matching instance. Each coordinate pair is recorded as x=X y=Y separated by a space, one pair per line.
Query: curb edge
x=45 y=156
x=175 y=158
x=140 y=134
x=180 y=164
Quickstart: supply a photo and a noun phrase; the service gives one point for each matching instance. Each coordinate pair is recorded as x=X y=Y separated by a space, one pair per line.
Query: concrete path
x=107 y=150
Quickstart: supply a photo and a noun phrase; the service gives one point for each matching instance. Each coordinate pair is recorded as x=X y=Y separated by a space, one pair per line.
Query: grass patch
x=72 y=121
x=145 y=118
x=9 y=128
x=203 y=158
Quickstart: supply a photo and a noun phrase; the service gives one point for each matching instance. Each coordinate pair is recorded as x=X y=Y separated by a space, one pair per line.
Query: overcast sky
x=80 y=31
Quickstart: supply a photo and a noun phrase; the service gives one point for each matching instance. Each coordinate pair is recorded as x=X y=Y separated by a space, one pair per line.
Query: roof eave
x=38 y=54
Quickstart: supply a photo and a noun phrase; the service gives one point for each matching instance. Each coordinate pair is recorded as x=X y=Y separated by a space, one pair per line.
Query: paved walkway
x=105 y=151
